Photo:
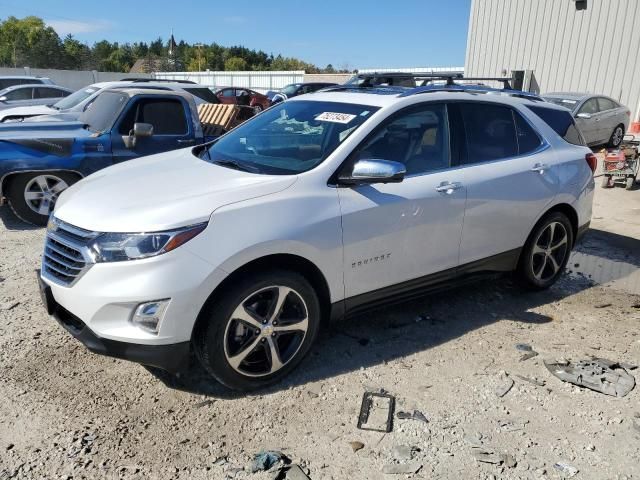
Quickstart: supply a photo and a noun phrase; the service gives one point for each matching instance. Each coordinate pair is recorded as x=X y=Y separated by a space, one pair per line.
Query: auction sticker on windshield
x=335 y=117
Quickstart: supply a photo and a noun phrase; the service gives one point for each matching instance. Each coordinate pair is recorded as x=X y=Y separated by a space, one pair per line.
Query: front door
x=590 y=126
x=171 y=128
x=396 y=232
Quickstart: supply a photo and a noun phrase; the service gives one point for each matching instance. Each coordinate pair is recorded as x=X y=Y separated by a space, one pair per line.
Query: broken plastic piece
x=264 y=460
x=567 y=470
x=503 y=389
x=415 y=415
x=598 y=374
x=376 y=412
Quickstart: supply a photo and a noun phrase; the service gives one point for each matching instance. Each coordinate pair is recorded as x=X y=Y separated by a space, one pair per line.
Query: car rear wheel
x=32 y=196
x=258 y=329
x=616 y=137
x=546 y=253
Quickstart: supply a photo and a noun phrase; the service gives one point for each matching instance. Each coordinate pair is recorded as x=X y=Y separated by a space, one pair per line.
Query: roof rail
x=471 y=88
x=368 y=79
x=159 y=80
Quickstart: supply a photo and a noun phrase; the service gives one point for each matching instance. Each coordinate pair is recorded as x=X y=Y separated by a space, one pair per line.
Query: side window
x=528 y=139
x=590 y=106
x=44 y=92
x=490 y=132
x=561 y=122
x=166 y=116
x=20 y=94
x=228 y=92
x=606 y=104
x=418 y=137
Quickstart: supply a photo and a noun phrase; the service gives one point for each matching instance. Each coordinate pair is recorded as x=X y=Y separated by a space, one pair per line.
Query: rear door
x=171 y=122
x=509 y=176
x=609 y=116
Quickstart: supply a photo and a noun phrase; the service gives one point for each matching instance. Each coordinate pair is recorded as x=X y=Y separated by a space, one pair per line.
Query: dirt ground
x=66 y=413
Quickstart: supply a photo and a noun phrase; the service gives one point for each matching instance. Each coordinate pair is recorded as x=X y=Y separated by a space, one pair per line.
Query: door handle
x=539 y=167
x=186 y=141
x=448 y=187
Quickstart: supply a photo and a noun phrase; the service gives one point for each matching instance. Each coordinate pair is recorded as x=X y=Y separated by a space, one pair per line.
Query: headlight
x=117 y=247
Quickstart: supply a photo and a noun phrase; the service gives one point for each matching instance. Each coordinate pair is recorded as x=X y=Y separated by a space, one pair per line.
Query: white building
x=559 y=45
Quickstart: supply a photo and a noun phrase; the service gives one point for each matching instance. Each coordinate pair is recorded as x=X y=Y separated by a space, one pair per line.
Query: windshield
x=75 y=98
x=290 y=89
x=570 y=103
x=203 y=93
x=289 y=138
x=104 y=111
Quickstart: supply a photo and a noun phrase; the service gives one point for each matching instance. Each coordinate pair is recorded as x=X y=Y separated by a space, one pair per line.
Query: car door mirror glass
x=586 y=116
x=139 y=130
x=374 y=171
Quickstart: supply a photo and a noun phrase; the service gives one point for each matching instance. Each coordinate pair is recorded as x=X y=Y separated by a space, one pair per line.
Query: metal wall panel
x=593 y=50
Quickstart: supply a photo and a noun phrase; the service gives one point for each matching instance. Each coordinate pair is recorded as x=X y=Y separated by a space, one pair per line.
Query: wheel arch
x=282 y=261
x=7 y=177
x=564 y=208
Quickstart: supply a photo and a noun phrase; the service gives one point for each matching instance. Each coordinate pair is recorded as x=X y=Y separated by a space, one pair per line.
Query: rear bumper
x=173 y=357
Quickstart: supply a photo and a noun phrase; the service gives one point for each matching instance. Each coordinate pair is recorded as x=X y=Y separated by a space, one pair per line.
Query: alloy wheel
x=41 y=193
x=617 y=136
x=266 y=331
x=549 y=251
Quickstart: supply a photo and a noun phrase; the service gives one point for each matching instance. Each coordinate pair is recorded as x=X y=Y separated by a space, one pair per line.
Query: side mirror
x=586 y=116
x=139 y=130
x=366 y=172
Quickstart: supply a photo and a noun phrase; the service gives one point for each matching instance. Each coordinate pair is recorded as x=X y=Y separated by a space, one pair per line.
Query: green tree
x=235 y=64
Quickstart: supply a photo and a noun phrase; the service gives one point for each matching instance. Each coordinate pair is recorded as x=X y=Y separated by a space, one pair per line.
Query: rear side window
x=490 y=132
x=166 y=116
x=606 y=104
x=45 y=92
x=528 y=139
x=204 y=94
x=561 y=122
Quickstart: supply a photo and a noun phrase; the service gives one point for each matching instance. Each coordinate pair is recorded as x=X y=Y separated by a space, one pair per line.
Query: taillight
x=592 y=161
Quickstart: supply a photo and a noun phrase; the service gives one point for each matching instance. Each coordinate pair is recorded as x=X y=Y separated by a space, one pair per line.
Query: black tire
x=630 y=182
x=616 y=136
x=216 y=325
x=532 y=261
x=17 y=189
x=606 y=182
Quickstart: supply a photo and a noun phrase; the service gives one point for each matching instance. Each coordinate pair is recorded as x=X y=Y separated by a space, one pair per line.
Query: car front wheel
x=546 y=253
x=32 y=196
x=258 y=329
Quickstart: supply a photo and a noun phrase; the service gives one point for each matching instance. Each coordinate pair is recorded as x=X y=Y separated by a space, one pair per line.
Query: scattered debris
x=602 y=305
x=204 y=403
x=524 y=347
x=293 y=472
x=403 y=453
x=488 y=455
x=415 y=415
x=509 y=460
x=532 y=380
x=567 y=470
x=356 y=446
x=504 y=388
x=511 y=426
x=266 y=460
x=376 y=412
x=221 y=460
x=401 y=468
x=9 y=305
x=528 y=355
x=598 y=374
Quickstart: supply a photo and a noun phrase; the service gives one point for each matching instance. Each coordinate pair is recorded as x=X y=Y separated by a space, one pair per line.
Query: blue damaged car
x=39 y=160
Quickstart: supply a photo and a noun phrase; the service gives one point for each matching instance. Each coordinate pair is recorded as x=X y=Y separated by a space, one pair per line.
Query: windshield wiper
x=235 y=164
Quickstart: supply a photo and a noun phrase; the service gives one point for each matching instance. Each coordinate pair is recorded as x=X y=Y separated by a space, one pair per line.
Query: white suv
x=317 y=208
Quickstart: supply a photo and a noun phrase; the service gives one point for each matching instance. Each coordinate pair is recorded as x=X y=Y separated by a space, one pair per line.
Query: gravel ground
x=66 y=413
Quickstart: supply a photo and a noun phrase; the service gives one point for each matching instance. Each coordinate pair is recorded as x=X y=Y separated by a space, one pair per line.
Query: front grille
x=66 y=257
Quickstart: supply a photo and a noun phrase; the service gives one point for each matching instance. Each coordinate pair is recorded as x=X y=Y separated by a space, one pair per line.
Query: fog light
x=149 y=314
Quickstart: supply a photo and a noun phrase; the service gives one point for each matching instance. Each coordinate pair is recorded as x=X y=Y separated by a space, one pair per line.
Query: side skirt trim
x=493 y=266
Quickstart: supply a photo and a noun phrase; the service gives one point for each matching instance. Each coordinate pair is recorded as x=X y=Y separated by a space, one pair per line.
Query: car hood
x=27 y=111
x=160 y=192
x=12 y=130
x=18 y=140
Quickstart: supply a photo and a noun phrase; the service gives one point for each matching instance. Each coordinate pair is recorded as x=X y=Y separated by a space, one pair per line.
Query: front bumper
x=171 y=357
